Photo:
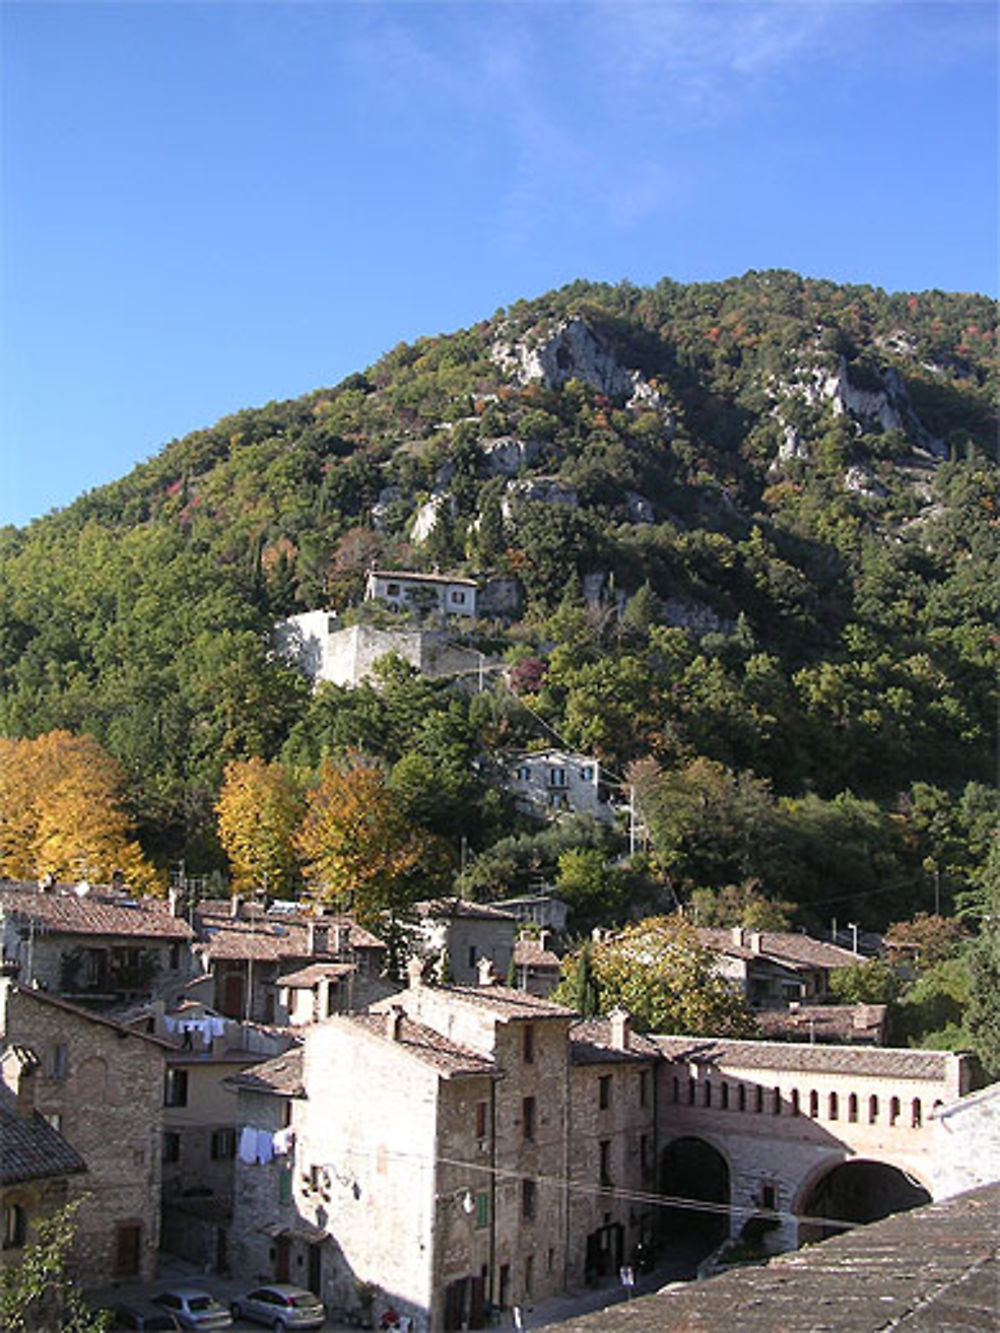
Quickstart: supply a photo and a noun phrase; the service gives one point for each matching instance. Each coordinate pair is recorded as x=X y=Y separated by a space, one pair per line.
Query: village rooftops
x=462 y=907
x=43 y=997
x=304 y=978
x=529 y=952
x=593 y=1041
x=789 y=948
x=280 y=1076
x=67 y=910
x=878 y=1061
x=30 y=1149
x=271 y=938
x=826 y=1022
x=508 y=1003
x=421 y=1042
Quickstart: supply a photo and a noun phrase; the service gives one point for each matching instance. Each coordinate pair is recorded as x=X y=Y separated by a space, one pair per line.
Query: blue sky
x=208 y=206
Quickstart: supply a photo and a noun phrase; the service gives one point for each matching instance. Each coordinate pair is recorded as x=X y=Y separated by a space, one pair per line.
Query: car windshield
x=306 y=1298
x=201 y=1303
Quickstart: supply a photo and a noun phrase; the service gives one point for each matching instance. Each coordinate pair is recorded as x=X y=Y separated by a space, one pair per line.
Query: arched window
x=894 y=1111
x=691 y=1091
x=795 y=1101
x=758 y=1104
x=852 y=1108
x=742 y=1099
x=15 y=1226
x=708 y=1092
x=724 y=1096
x=833 y=1106
x=872 y=1109
x=916 y=1113
x=814 y=1104
x=776 y=1108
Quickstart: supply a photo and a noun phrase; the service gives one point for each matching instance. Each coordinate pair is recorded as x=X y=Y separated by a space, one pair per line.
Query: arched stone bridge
x=789 y=1134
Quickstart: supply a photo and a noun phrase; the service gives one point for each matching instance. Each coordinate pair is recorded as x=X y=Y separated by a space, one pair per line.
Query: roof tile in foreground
x=932 y=1270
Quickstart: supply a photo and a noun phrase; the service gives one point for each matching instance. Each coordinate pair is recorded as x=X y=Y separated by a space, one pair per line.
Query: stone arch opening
x=692 y=1169
x=853 y=1193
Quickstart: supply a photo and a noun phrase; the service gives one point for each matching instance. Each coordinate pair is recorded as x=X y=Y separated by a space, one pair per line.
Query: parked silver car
x=280 y=1306
x=193 y=1308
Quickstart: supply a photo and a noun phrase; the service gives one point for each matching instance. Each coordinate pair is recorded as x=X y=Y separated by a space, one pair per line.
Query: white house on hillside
x=546 y=783
x=316 y=643
x=402 y=590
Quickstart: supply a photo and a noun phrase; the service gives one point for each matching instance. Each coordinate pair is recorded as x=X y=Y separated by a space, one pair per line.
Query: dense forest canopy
x=754 y=529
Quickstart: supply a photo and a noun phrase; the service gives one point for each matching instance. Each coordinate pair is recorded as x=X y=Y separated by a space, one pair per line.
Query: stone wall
x=105 y=1086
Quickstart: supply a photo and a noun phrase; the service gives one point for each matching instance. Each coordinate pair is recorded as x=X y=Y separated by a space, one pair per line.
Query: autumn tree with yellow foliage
x=259 y=812
x=62 y=813
x=361 y=851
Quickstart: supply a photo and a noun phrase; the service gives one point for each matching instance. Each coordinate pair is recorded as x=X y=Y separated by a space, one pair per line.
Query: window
x=742 y=1097
x=392 y=590
x=916 y=1113
x=458 y=597
x=285 y=1186
x=692 y=1089
x=472 y=955
x=482 y=1209
x=852 y=1108
x=814 y=1104
x=15 y=1226
x=605 y=1163
x=724 y=1096
x=524 y=773
x=833 y=1106
x=643 y=1087
x=528 y=1118
x=795 y=1101
x=558 y=801
x=223 y=1144
x=776 y=1093
x=527 y=1200
x=171 y=1146
x=481 y=1108
x=557 y=777
x=176 y=1088
x=58 y=1062
x=708 y=1092
x=758 y=1103
x=894 y=1111
x=587 y=772
x=768 y=1197
x=604 y=1091
x=528 y=1044
x=872 y=1110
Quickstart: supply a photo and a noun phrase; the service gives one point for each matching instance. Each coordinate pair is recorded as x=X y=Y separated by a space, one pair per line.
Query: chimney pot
x=620 y=1020
x=236 y=906
x=736 y=935
x=394 y=1022
x=414 y=973
x=485 y=973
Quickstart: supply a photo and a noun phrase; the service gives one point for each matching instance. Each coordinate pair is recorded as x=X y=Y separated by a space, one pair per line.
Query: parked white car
x=280 y=1306
x=194 y=1309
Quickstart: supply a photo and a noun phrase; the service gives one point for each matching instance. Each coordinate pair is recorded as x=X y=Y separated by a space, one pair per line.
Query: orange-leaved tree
x=360 y=850
x=62 y=812
x=260 y=808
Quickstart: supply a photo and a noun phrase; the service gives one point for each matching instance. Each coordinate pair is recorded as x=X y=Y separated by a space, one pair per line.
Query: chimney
x=736 y=935
x=394 y=1022
x=175 y=903
x=756 y=940
x=485 y=972
x=47 y=882
x=236 y=906
x=311 y=937
x=543 y=938
x=621 y=1021
x=19 y=1065
x=415 y=973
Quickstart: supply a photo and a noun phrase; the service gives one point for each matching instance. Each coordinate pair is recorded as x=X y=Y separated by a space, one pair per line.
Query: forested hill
x=779 y=496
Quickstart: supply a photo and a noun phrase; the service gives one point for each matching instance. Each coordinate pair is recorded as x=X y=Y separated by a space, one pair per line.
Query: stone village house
x=444 y=1189
x=99 y=1084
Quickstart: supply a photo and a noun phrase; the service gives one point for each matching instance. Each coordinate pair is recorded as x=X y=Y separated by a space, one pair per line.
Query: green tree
x=872 y=981
x=666 y=980
x=39 y=1293
x=983 y=1014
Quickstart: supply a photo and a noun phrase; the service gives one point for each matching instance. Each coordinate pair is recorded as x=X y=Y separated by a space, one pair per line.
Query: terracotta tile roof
x=425 y=1044
x=788 y=947
x=307 y=977
x=409 y=575
x=931 y=1270
x=271 y=936
x=32 y=1149
x=62 y=911
x=529 y=953
x=591 y=1044
x=510 y=1003
x=858 y=1060
x=280 y=1076
x=824 y=1022
x=461 y=907
x=43 y=997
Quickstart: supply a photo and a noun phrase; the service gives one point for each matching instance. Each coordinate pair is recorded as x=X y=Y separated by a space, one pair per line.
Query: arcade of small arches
x=754 y=1098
